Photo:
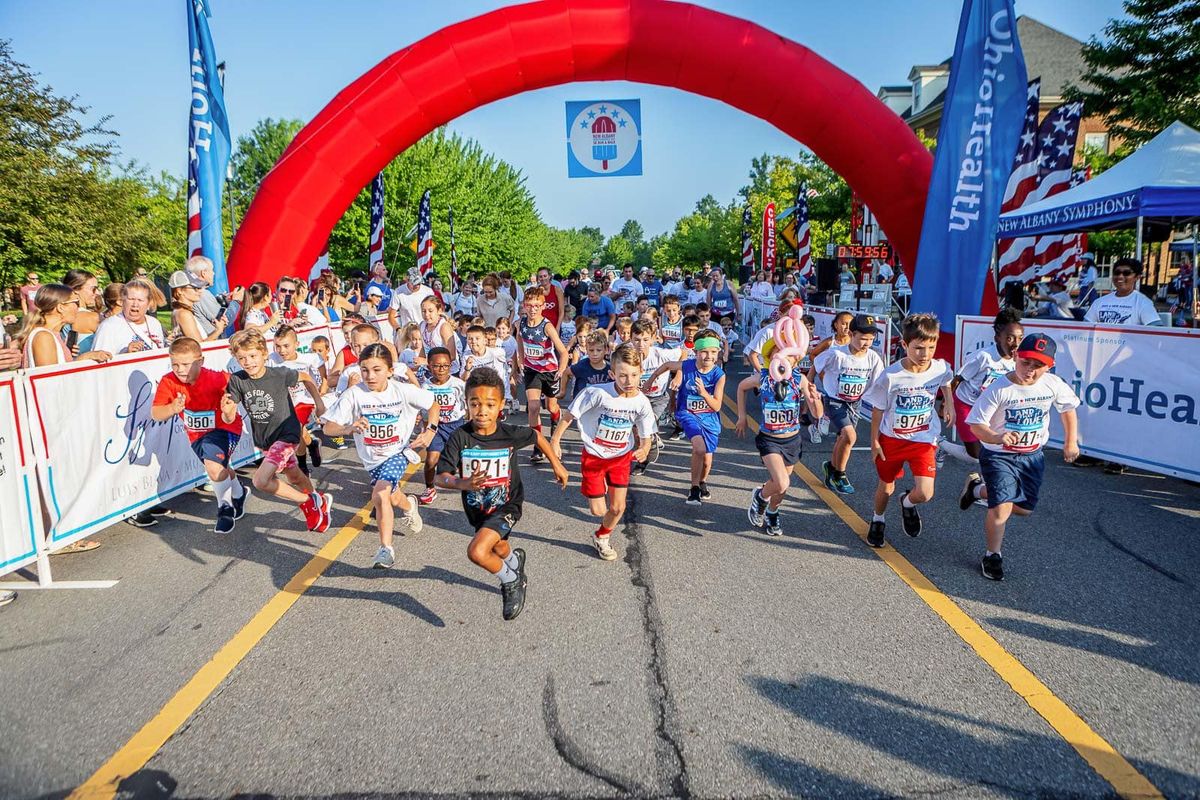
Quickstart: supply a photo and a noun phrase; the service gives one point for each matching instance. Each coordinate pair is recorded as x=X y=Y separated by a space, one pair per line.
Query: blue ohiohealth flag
x=977 y=140
x=604 y=138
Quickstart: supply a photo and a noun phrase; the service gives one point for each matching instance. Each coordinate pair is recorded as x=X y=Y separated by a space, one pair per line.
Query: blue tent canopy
x=1158 y=187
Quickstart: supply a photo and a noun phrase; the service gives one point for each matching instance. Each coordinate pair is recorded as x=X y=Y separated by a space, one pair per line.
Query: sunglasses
x=287 y=291
x=1123 y=272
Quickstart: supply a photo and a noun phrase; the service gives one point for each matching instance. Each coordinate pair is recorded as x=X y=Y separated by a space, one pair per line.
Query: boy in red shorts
x=311 y=371
x=197 y=395
x=609 y=414
x=904 y=423
x=264 y=392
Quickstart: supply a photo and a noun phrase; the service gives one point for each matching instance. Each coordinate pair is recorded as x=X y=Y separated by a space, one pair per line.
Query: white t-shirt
x=492 y=358
x=1005 y=406
x=1087 y=279
x=116 y=333
x=1059 y=305
x=655 y=359
x=510 y=347
x=400 y=374
x=978 y=370
x=907 y=400
x=1132 y=309
x=408 y=306
x=845 y=376
x=451 y=396
x=628 y=289
x=697 y=296
x=391 y=413
x=762 y=291
x=303 y=362
x=607 y=420
x=760 y=339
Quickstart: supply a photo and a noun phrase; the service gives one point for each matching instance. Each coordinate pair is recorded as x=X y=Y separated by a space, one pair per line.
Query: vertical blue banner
x=977 y=141
x=604 y=138
x=208 y=138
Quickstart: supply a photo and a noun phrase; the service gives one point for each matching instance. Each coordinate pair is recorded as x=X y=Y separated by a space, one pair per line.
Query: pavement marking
x=1095 y=750
x=135 y=754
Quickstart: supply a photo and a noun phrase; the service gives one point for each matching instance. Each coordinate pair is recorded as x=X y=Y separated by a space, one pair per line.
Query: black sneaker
x=773 y=527
x=1113 y=468
x=705 y=494
x=693 y=498
x=992 y=567
x=536 y=456
x=875 y=534
x=239 y=503
x=757 y=510
x=225 y=517
x=160 y=511
x=142 y=519
x=910 y=517
x=513 y=594
x=314 y=453
x=520 y=554
x=967 y=498
x=638 y=468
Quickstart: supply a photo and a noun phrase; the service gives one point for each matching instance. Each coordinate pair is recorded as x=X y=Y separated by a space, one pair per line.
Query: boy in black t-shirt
x=480 y=460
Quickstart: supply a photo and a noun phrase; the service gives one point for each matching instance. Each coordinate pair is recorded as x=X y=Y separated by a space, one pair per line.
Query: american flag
x=803 y=234
x=1073 y=244
x=747 y=246
x=1022 y=184
x=1056 y=137
x=375 y=243
x=454 y=281
x=195 y=245
x=424 y=237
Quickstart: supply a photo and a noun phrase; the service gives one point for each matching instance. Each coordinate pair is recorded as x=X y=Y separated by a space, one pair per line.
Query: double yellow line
x=1095 y=750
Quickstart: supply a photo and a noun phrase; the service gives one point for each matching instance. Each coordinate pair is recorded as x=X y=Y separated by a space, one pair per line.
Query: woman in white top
x=257 y=314
x=134 y=328
x=466 y=301
x=53 y=306
x=761 y=289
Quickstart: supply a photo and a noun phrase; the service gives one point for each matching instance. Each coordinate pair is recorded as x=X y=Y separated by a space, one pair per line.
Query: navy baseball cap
x=864 y=323
x=1039 y=347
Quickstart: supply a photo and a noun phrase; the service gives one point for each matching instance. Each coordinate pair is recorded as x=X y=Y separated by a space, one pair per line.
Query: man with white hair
x=405 y=308
x=199 y=270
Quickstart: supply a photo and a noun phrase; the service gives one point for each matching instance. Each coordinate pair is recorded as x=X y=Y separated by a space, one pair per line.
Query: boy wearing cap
x=1012 y=421
x=844 y=373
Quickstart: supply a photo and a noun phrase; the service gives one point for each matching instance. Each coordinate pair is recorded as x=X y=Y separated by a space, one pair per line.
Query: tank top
x=348 y=357
x=431 y=337
x=536 y=346
x=552 y=311
x=722 y=302
x=780 y=407
x=672 y=332
x=64 y=355
x=692 y=403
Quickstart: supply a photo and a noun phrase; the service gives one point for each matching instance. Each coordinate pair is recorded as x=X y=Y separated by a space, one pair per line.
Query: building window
x=1096 y=141
x=916 y=99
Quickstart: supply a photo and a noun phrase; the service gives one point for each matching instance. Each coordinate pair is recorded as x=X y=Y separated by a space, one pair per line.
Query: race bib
x=494 y=464
x=299 y=394
x=1027 y=423
x=912 y=415
x=698 y=405
x=384 y=430
x=988 y=378
x=534 y=350
x=446 y=402
x=614 y=432
x=199 y=421
x=851 y=387
x=780 y=418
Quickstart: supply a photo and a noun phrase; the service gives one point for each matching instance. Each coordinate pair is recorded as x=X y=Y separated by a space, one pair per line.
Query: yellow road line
x=1096 y=751
x=134 y=755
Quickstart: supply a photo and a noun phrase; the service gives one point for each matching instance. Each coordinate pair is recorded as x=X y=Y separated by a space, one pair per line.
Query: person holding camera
x=186 y=317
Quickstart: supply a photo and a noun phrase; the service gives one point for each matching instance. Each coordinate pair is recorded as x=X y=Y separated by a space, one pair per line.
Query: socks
x=758 y=497
x=224 y=492
x=978 y=491
x=239 y=491
x=512 y=562
x=990 y=553
x=506 y=574
x=906 y=502
x=603 y=531
x=878 y=518
x=555 y=416
x=958 y=452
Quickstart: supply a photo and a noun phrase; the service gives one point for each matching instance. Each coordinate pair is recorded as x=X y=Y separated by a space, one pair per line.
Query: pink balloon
x=791 y=340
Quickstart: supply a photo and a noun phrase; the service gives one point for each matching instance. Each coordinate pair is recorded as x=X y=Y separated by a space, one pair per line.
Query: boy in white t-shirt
x=656 y=391
x=479 y=355
x=1012 y=421
x=609 y=415
x=451 y=394
x=905 y=426
x=310 y=370
x=843 y=374
x=380 y=413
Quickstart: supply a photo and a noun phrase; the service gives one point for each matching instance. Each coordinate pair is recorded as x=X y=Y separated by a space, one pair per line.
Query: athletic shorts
x=841 y=414
x=544 y=382
x=444 y=432
x=502 y=520
x=1012 y=477
x=392 y=470
x=661 y=406
x=896 y=452
x=961 y=410
x=694 y=425
x=216 y=446
x=304 y=412
x=790 y=447
x=601 y=473
x=282 y=455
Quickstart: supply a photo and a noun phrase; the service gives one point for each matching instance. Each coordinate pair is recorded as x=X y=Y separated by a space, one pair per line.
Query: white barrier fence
x=756 y=312
x=1138 y=388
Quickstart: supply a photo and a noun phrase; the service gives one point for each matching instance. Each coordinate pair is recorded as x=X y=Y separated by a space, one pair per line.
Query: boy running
x=451 y=394
x=657 y=390
x=904 y=425
x=264 y=392
x=590 y=371
x=609 y=414
x=671 y=325
x=1011 y=419
x=844 y=374
x=311 y=372
x=197 y=395
x=480 y=460
x=380 y=413
x=542 y=357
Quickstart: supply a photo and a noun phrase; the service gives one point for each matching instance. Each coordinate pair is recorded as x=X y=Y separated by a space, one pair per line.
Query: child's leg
x=598 y=506
x=431 y=461
x=381 y=498
x=698 y=458
x=922 y=491
x=883 y=494
x=266 y=480
x=298 y=480
x=489 y=550
x=400 y=500
x=616 y=507
x=847 y=436
x=994 y=524
x=706 y=467
x=779 y=478
x=533 y=400
x=552 y=408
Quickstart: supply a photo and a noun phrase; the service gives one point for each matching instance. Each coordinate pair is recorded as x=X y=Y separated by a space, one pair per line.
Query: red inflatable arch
x=524 y=47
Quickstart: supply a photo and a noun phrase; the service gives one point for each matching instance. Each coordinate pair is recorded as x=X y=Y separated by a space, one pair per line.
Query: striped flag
x=747 y=245
x=375 y=242
x=1022 y=184
x=195 y=244
x=804 y=260
x=1057 y=137
x=424 y=237
x=1074 y=244
x=455 y=283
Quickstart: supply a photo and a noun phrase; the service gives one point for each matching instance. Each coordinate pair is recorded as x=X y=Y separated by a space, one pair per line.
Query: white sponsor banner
x=20 y=520
x=756 y=312
x=1138 y=388
x=100 y=456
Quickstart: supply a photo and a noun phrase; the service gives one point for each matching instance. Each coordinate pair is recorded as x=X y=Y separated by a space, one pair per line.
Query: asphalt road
x=708 y=661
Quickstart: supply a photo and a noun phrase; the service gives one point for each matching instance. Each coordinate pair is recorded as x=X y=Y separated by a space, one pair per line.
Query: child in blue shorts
x=698 y=407
x=844 y=373
x=451 y=394
x=1011 y=419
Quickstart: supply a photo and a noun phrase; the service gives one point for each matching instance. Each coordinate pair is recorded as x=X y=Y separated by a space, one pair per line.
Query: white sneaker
x=814 y=434
x=823 y=426
x=384 y=557
x=603 y=548
x=412 y=517
x=939 y=454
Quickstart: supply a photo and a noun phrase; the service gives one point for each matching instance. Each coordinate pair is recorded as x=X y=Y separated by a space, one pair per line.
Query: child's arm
x=560 y=472
x=745 y=385
x=448 y=480
x=433 y=415
x=161 y=413
x=1070 y=440
x=564 y=422
x=714 y=399
x=314 y=390
x=339 y=366
x=667 y=366
x=948 y=405
x=816 y=409
x=559 y=349
x=360 y=425
x=876 y=421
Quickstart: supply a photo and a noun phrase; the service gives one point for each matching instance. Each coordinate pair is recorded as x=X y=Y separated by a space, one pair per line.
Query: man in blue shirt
x=379 y=281
x=653 y=289
x=600 y=307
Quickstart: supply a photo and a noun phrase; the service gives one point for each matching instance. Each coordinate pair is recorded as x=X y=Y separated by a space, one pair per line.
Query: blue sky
x=128 y=58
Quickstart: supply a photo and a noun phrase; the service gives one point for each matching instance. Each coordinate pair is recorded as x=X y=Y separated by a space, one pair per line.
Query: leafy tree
x=632 y=232
x=617 y=251
x=256 y=153
x=596 y=238
x=1146 y=73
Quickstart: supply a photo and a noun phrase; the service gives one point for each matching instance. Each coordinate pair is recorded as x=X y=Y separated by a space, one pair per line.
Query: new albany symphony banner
x=604 y=138
x=977 y=140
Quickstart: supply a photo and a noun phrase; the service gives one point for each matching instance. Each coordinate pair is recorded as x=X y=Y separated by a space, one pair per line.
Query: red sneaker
x=313 y=516
x=325 y=508
x=428 y=496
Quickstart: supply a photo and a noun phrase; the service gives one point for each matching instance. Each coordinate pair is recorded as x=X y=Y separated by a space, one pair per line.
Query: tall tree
x=256 y=152
x=1145 y=73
